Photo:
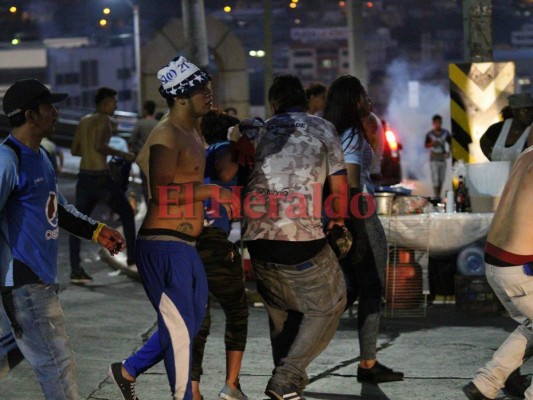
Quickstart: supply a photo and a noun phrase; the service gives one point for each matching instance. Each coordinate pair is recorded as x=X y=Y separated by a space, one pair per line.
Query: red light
x=391 y=139
x=369 y=4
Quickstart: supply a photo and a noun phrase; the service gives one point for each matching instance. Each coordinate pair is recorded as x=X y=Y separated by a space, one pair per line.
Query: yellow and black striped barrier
x=478 y=93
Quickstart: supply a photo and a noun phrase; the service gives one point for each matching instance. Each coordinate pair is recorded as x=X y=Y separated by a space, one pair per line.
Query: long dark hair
x=287 y=94
x=341 y=104
x=215 y=124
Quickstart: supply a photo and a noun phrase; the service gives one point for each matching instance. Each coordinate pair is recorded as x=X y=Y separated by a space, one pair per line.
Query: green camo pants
x=223 y=267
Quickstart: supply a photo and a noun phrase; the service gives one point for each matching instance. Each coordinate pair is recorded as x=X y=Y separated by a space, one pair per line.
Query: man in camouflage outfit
x=297 y=272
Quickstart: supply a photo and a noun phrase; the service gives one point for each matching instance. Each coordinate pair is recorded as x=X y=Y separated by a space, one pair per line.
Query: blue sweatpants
x=174 y=280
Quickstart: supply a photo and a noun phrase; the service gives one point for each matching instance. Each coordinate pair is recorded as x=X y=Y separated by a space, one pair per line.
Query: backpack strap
x=8 y=142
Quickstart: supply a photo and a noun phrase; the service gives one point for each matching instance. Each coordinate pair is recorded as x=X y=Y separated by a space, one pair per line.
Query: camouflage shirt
x=294 y=154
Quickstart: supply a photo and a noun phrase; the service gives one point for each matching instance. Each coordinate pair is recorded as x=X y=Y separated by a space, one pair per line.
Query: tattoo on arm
x=186 y=228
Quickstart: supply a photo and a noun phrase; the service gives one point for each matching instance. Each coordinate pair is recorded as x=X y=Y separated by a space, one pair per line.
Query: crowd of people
x=309 y=223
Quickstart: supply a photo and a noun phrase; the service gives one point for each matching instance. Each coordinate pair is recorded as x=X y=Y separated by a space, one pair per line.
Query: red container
x=403 y=286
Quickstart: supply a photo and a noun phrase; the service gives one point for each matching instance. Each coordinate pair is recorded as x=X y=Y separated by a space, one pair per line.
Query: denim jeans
x=39 y=328
x=304 y=304
x=515 y=290
x=10 y=354
x=91 y=189
x=438 y=173
x=364 y=281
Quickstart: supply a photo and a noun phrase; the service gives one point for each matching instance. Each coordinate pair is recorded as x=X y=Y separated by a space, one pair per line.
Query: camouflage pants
x=223 y=267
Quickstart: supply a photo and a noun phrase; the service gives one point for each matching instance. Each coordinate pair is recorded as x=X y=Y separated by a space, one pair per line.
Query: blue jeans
x=10 y=354
x=438 y=174
x=304 y=303
x=90 y=190
x=39 y=328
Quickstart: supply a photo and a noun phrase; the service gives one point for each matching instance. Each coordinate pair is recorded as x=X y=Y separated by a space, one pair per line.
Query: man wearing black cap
x=31 y=211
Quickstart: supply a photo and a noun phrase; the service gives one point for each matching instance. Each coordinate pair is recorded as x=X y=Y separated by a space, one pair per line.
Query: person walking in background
x=509 y=271
x=31 y=211
x=173 y=159
x=91 y=142
x=298 y=274
x=347 y=106
x=439 y=141
x=316 y=98
x=505 y=140
x=140 y=133
x=222 y=260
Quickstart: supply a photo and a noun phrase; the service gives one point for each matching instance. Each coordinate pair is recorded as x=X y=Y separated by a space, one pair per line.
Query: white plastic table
x=440 y=234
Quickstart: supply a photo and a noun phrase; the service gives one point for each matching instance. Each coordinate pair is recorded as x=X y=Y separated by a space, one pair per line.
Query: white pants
x=515 y=290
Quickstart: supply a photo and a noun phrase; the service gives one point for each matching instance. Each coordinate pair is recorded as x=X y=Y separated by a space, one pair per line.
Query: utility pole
x=477 y=25
x=269 y=69
x=195 y=32
x=356 y=41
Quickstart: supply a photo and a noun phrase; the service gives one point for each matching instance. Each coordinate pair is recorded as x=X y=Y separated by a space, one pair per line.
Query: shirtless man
x=509 y=270
x=173 y=159
x=91 y=142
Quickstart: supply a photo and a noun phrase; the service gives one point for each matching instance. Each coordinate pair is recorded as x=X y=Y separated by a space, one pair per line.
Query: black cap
x=26 y=94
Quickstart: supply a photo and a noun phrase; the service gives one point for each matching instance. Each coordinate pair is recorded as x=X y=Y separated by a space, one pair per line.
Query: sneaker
x=378 y=374
x=232 y=394
x=127 y=388
x=80 y=277
x=516 y=384
x=276 y=392
x=472 y=392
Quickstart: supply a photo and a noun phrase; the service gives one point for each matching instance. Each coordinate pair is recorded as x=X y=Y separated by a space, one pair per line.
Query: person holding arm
x=221 y=259
x=298 y=275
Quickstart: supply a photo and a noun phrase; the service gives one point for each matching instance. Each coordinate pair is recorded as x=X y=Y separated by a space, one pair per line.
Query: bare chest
x=191 y=158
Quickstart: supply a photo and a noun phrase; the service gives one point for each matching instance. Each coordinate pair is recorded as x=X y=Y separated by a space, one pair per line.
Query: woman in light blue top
x=347 y=105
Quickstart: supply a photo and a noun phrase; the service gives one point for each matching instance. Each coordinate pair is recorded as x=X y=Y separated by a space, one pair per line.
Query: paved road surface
x=110 y=318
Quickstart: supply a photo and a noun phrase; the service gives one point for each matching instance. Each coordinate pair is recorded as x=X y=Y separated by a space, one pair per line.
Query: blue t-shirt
x=358 y=151
x=28 y=213
x=211 y=219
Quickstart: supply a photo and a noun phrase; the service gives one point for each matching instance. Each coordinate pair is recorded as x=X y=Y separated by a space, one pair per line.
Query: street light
x=137 y=51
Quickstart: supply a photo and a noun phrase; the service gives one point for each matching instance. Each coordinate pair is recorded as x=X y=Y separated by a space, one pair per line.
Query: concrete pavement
x=110 y=318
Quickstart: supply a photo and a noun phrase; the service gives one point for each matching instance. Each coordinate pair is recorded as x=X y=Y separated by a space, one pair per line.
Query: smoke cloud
x=413 y=101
